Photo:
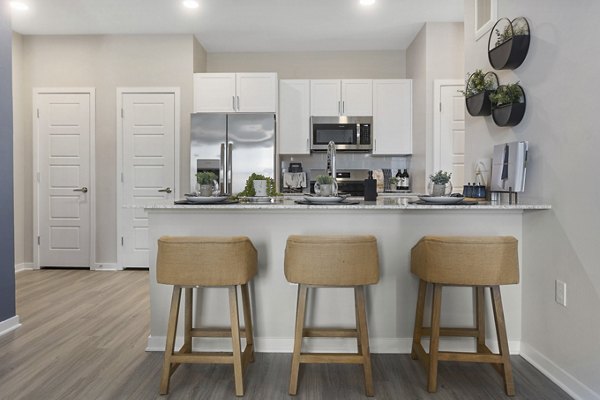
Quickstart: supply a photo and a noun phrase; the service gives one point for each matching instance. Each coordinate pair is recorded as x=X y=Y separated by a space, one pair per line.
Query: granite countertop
x=382 y=203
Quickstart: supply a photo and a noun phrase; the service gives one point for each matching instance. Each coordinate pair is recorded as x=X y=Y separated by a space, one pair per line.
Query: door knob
x=165 y=190
x=83 y=189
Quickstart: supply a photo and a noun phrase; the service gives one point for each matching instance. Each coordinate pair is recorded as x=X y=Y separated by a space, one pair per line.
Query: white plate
x=324 y=199
x=441 y=199
x=207 y=199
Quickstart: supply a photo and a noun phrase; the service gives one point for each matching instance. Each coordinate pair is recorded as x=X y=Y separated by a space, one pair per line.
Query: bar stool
x=188 y=262
x=479 y=262
x=332 y=261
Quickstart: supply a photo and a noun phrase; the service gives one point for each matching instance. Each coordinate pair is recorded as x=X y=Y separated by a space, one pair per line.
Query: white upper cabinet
x=392 y=116
x=334 y=97
x=294 y=116
x=235 y=92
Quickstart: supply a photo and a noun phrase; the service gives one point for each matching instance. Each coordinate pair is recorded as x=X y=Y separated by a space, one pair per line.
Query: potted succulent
x=511 y=43
x=325 y=185
x=477 y=91
x=439 y=184
x=206 y=183
x=508 y=104
x=249 y=189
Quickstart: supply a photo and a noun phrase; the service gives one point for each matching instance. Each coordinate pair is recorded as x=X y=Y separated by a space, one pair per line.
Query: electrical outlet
x=560 y=292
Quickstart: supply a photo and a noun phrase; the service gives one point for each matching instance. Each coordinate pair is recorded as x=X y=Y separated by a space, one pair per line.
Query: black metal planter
x=508 y=114
x=511 y=53
x=479 y=105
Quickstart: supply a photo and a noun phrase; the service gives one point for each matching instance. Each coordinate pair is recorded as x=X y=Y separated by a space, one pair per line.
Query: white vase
x=205 y=190
x=439 y=189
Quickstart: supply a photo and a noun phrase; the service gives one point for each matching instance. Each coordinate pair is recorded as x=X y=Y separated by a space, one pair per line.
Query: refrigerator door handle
x=229 y=173
x=222 y=170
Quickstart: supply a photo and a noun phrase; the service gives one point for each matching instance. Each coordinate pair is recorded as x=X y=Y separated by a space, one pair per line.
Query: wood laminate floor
x=84 y=334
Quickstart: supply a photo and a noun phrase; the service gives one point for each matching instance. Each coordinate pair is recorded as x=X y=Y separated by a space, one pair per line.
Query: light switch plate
x=560 y=292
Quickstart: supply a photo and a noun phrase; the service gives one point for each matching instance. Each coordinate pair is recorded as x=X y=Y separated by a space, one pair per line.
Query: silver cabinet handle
x=339 y=107
x=233 y=104
x=83 y=189
x=343 y=107
x=307 y=145
x=238 y=103
x=165 y=190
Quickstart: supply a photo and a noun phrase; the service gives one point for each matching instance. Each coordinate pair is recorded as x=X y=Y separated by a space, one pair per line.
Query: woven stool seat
x=332 y=260
x=325 y=261
x=480 y=262
x=188 y=262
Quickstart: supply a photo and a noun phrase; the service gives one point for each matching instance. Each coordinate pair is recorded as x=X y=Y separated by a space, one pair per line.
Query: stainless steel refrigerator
x=233 y=146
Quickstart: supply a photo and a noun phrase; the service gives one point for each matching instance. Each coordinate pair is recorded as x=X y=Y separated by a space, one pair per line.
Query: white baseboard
x=106 y=267
x=9 y=325
x=325 y=345
x=556 y=374
x=23 y=267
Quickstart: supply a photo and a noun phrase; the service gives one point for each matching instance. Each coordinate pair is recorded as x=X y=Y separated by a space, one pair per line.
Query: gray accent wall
x=7 y=251
x=560 y=79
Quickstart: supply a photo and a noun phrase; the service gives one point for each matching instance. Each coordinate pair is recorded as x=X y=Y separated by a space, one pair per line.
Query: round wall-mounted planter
x=509 y=53
x=479 y=105
x=510 y=114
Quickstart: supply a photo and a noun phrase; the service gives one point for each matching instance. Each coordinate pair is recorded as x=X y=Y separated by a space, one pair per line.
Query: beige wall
x=561 y=125
x=199 y=57
x=23 y=186
x=314 y=65
x=436 y=53
x=105 y=63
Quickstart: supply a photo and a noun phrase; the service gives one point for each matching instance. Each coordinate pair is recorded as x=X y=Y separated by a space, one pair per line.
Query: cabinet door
x=325 y=98
x=392 y=116
x=294 y=116
x=256 y=92
x=214 y=92
x=357 y=97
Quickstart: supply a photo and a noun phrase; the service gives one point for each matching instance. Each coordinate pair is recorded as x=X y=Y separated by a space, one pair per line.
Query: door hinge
x=122 y=241
x=38 y=240
x=440 y=107
x=37 y=177
x=122 y=113
x=122 y=177
x=38 y=112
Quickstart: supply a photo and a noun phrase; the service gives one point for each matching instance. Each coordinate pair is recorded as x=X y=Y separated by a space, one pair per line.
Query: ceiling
x=246 y=25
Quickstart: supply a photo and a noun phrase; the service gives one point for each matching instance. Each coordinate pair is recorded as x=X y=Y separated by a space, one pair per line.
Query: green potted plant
x=477 y=90
x=508 y=104
x=325 y=185
x=510 y=43
x=439 y=184
x=206 y=183
x=250 y=191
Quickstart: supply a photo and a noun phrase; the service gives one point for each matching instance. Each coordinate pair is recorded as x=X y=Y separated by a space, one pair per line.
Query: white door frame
x=438 y=84
x=120 y=92
x=36 y=167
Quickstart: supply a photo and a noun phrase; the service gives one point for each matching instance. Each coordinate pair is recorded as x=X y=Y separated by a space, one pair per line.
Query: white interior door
x=148 y=167
x=452 y=135
x=63 y=128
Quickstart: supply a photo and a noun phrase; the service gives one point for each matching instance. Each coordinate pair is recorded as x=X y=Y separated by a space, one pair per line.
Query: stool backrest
x=205 y=261
x=466 y=260
x=332 y=260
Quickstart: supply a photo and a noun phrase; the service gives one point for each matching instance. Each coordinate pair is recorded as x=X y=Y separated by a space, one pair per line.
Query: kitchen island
x=396 y=223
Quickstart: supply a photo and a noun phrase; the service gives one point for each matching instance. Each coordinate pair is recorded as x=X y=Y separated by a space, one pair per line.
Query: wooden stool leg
x=187 y=332
x=298 y=334
x=359 y=300
x=480 y=318
x=235 y=341
x=419 y=318
x=509 y=385
x=248 y=321
x=170 y=346
x=435 y=337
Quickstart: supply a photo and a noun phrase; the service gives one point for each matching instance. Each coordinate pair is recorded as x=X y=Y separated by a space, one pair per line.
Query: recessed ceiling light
x=190 y=3
x=367 y=2
x=19 y=5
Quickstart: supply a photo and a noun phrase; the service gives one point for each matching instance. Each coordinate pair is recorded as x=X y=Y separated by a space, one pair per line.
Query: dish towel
x=294 y=180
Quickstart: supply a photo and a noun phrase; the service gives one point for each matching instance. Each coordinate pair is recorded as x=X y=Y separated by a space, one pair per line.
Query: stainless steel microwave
x=348 y=133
